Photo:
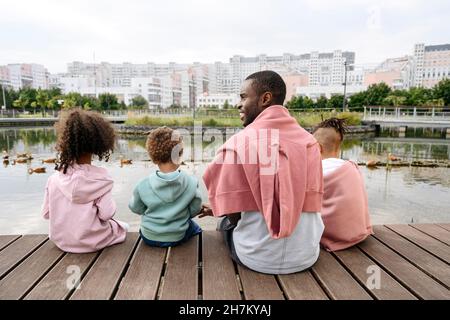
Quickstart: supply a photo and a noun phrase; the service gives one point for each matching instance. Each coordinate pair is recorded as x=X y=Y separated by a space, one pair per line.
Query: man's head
x=259 y=91
x=329 y=134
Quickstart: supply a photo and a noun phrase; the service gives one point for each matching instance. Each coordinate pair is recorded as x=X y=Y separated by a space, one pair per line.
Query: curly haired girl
x=78 y=199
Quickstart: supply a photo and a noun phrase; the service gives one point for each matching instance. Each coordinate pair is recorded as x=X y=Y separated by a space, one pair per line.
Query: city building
x=22 y=75
x=217 y=100
x=395 y=72
x=431 y=64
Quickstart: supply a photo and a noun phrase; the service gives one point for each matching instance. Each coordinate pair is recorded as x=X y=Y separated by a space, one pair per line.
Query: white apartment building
x=26 y=75
x=217 y=100
x=431 y=64
x=323 y=69
x=395 y=72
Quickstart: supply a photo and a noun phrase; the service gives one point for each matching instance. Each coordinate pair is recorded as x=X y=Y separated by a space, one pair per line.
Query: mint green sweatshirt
x=166 y=202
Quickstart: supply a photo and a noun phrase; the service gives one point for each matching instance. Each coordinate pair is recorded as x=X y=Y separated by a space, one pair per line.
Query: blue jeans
x=191 y=231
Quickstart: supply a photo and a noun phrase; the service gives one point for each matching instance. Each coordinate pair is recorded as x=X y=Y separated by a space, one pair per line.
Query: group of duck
x=27 y=157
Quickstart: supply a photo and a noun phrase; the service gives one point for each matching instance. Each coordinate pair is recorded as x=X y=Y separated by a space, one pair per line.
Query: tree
x=72 y=99
x=418 y=96
x=89 y=103
x=20 y=103
x=139 y=102
x=394 y=100
x=226 y=105
x=42 y=100
x=300 y=102
x=376 y=93
x=321 y=102
x=358 y=100
x=336 y=101
x=108 y=101
x=27 y=96
x=442 y=91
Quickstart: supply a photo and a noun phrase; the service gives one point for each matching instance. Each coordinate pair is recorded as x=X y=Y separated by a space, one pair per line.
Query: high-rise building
x=431 y=64
x=22 y=75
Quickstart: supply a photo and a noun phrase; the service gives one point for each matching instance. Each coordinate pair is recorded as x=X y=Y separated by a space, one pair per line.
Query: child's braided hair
x=337 y=124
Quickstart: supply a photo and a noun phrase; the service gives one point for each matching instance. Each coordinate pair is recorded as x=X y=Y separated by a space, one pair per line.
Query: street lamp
x=345 y=85
x=4 y=96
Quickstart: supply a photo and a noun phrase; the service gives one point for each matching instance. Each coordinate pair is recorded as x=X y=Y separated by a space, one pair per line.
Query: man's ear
x=267 y=99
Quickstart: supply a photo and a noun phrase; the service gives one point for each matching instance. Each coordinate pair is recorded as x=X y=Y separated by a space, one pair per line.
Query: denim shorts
x=192 y=230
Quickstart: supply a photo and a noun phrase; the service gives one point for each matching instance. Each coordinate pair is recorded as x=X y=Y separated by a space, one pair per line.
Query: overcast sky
x=53 y=33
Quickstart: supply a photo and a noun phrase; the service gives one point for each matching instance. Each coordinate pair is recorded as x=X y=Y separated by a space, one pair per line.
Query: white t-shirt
x=259 y=251
x=331 y=164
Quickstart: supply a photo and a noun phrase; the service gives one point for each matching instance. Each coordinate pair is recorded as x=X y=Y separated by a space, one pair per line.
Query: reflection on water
x=399 y=195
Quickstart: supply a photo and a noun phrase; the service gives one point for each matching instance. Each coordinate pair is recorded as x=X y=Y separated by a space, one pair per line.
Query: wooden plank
x=259 y=286
x=423 y=240
x=425 y=261
x=365 y=269
x=434 y=231
x=301 y=286
x=446 y=226
x=142 y=278
x=19 y=281
x=18 y=250
x=102 y=279
x=336 y=281
x=181 y=276
x=219 y=277
x=61 y=280
x=403 y=271
x=6 y=240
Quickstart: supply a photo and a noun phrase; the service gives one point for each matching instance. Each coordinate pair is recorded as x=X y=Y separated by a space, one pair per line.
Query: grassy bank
x=303 y=118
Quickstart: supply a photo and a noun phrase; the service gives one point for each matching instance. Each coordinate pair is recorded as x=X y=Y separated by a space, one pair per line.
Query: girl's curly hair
x=161 y=143
x=80 y=132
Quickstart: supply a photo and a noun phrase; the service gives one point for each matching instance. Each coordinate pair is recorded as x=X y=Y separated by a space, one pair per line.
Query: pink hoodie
x=80 y=207
x=272 y=166
x=345 y=211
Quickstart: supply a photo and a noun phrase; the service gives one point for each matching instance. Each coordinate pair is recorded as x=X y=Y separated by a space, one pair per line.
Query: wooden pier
x=405 y=262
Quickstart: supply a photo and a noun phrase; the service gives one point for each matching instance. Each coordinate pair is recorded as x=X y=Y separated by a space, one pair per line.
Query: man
x=267 y=182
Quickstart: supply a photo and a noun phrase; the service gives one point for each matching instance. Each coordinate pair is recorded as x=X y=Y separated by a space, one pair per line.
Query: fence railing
x=201 y=112
x=406 y=113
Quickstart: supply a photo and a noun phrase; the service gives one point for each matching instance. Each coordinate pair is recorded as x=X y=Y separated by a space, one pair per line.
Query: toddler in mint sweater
x=169 y=198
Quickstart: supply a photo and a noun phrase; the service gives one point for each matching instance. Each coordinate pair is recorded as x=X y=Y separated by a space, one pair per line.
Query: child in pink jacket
x=345 y=211
x=78 y=200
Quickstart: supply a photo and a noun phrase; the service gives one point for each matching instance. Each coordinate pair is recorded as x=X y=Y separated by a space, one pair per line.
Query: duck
x=21 y=155
x=125 y=161
x=391 y=157
x=5 y=162
x=5 y=155
x=49 y=160
x=371 y=163
x=36 y=170
x=20 y=160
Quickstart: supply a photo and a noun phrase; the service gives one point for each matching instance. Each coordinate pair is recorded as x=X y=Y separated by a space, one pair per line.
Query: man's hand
x=206 y=211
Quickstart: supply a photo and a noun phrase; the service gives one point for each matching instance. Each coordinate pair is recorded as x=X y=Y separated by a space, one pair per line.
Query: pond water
x=398 y=195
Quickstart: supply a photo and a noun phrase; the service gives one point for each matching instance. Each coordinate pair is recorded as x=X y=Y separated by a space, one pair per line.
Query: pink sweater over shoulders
x=80 y=208
x=272 y=166
x=345 y=211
